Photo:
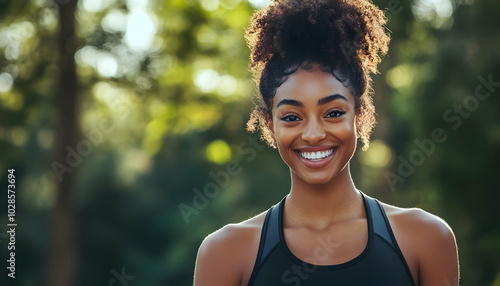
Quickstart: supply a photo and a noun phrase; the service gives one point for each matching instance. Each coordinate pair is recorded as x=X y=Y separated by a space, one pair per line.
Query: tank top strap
x=272 y=233
x=270 y=237
x=382 y=228
x=380 y=222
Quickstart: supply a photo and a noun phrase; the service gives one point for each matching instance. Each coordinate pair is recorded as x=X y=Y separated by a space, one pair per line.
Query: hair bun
x=340 y=32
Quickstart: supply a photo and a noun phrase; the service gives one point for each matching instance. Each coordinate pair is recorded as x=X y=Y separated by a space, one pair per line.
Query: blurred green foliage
x=172 y=77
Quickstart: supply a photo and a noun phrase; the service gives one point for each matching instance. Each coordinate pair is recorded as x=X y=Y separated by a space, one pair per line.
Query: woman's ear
x=270 y=127
x=357 y=125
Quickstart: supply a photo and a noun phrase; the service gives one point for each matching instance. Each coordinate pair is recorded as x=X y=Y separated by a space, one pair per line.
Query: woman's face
x=313 y=124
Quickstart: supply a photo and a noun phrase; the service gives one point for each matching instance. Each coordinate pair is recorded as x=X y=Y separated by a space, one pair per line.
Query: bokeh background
x=121 y=117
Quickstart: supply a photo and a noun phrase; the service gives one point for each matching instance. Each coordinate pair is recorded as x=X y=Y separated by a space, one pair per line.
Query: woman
x=312 y=61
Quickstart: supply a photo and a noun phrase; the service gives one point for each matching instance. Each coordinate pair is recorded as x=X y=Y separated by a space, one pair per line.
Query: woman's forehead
x=312 y=82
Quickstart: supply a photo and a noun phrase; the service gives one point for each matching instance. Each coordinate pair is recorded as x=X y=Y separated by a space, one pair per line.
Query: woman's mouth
x=316 y=159
x=316 y=156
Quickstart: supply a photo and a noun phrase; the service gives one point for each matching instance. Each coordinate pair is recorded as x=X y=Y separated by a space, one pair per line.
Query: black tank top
x=381 y=262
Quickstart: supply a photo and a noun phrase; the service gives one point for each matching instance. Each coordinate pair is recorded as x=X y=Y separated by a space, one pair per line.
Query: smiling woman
x=312 y=62
x=308 y=108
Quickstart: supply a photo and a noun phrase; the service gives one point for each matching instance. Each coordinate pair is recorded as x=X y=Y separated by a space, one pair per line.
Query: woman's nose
x=313 y=132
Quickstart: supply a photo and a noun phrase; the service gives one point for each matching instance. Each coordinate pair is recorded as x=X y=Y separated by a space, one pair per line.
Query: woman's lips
x=316 y=158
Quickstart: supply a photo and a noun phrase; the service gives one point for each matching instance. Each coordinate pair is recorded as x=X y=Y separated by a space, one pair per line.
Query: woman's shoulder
x=230 y=252
x=427 y=242
x=234 y=234
x=419 y=222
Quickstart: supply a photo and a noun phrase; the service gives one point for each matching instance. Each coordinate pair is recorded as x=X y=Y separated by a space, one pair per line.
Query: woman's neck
x=317 y=206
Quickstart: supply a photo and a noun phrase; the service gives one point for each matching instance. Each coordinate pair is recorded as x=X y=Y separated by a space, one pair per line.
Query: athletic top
x=381 y=262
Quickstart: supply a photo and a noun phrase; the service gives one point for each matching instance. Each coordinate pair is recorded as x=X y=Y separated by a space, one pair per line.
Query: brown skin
x=323 y=202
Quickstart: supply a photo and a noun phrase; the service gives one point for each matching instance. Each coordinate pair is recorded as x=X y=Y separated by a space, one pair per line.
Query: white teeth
x=316 y=156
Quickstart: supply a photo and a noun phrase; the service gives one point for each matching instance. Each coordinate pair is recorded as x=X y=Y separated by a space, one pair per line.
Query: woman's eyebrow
x=321 y=101
x=331 y=98
x=292 y=102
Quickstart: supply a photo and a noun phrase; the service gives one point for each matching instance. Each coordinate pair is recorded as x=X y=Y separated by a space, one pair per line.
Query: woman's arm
x=218 y=262
x=438 y=259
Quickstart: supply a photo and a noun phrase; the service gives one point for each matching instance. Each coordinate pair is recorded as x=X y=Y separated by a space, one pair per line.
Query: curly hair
x=348 y=37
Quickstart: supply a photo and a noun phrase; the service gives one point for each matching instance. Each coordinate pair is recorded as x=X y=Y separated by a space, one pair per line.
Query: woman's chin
x=316 y=179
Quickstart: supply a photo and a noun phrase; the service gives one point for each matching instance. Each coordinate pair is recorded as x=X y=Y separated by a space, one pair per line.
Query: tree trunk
x=63 y=250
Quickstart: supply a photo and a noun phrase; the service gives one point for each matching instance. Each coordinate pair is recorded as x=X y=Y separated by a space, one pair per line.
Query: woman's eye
x=335 y=113
x=290 y=118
